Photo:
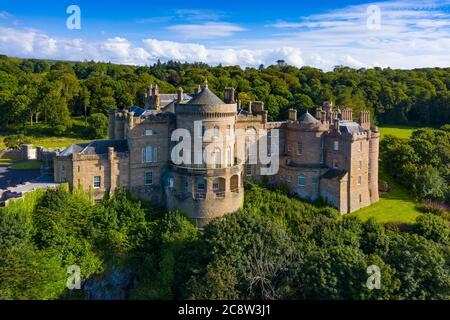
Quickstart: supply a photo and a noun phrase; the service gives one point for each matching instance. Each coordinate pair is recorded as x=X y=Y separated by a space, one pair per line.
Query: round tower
x=211 y=184
x=373 y=164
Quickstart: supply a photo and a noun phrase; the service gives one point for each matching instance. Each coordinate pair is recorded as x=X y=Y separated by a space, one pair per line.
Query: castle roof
x=350 y=127
x=206 y=97
x=96 y=147
x=307 y=118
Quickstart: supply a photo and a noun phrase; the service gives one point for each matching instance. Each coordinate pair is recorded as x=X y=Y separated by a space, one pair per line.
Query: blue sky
x=323 y=33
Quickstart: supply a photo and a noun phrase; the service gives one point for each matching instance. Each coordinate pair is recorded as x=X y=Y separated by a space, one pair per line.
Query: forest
x=276 y=247
x=54 y=92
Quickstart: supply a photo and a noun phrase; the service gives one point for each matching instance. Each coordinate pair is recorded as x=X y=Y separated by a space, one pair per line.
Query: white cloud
x=413 y=34
x=207 y=30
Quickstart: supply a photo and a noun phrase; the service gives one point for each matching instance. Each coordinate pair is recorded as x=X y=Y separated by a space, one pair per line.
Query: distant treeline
x=52 y=91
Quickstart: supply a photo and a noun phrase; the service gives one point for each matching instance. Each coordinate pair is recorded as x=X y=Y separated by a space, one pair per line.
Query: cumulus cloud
x=413 y=34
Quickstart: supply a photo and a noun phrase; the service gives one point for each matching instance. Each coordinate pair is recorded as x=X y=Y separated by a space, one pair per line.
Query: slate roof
x=166 y=98
x=73 y=148
x=138 y=111
x=350 y=127
x=205 y=97
x=307 y=118
x=96 y=147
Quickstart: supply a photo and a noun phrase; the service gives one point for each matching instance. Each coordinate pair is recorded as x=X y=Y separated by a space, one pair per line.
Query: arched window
x=229 y=157
x=217 y=158
x=216 y=185
x=170 y=183
x=301 y=180
x=216 y=131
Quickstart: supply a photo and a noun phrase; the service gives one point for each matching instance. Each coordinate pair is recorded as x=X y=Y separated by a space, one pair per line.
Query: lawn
x=394 y=206
x=5 y=161
x=43 y=135
x=400 y=131
x=27 y=165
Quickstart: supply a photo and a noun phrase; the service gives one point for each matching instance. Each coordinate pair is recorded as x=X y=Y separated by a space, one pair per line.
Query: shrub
x=432 y=227
x=98 y=125
x=14 y=141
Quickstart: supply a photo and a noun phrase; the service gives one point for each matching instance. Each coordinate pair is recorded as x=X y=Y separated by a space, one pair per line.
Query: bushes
x=98 y=125
x=420 y=163
x=14 y=141
x=276 y=247
x=432 y=227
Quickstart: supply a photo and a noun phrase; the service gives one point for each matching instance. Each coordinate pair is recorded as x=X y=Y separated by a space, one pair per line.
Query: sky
x=402 y=34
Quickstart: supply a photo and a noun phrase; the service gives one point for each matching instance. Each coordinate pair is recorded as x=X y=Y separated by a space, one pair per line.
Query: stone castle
x=328 y=156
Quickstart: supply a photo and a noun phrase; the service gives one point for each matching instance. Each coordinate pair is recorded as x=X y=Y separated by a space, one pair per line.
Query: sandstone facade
x=328 y=156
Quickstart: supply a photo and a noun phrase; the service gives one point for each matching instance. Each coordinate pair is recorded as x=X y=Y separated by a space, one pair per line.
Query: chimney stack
x=180 y=95
x=228 y=94
x=292 y=115
x=364 y=119
x=336 y=124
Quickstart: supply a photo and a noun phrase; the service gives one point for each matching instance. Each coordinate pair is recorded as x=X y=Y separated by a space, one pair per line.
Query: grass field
x=43 y=135
x=5 y=161
x=27 y=165
x=397 y=130
x=394 y=206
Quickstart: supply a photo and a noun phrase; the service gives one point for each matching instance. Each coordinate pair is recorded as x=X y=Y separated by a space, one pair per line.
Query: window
x=147 y=154
x=62 y=168
x=216 y=131
x=321 y=158
x=359 y=180
x=322 y=142
x=216 y=185
x=229 y=157
x=97 y=182
x=201 y=185
x=360 y=146
x=201 y=131
x=335 y=164
x=228 y=130
x=360 y=198
x=170 y=183
x=335 y=145
x=315 y=180
x=149 y=178
x=155 y=154
x=301 y=180
x=248 y=170
x=149 y=132
x=359 y=165
x=299 y=148
x=217 y=158
x=79 y=169
x=289 y=148
x=200 y=159
x=273 y=148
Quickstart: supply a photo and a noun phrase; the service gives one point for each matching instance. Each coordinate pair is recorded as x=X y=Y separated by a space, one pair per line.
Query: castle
x=328 y=156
